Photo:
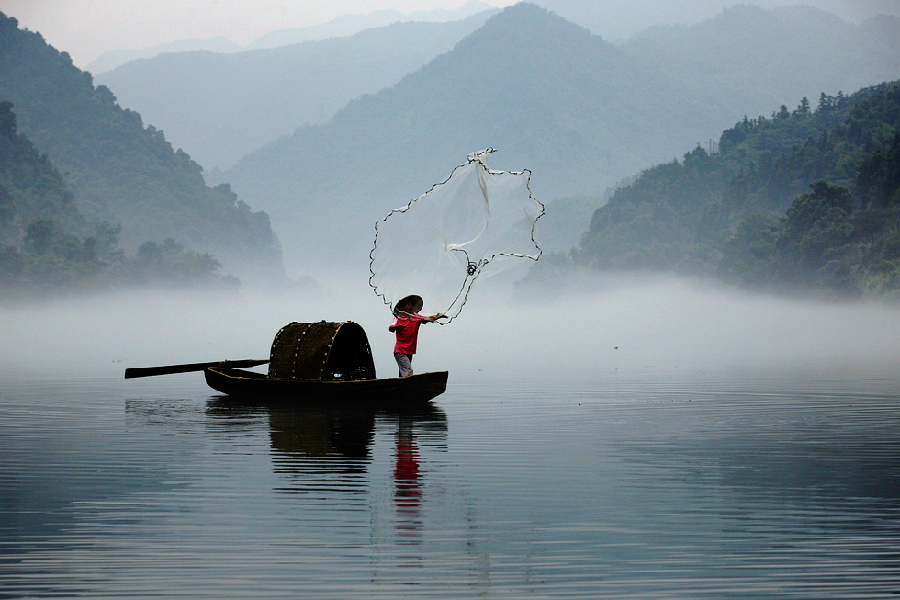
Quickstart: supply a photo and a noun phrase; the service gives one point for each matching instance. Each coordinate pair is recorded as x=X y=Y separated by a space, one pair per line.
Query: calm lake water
x=753 y=484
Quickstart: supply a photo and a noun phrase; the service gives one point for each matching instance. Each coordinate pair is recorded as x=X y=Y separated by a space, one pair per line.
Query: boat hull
x=249 y=385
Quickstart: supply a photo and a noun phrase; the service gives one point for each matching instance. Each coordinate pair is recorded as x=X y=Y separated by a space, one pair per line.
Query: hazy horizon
x=88 y=29
x=617 y=326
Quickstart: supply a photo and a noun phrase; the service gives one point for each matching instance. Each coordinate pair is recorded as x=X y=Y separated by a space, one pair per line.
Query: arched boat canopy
x=322 y=352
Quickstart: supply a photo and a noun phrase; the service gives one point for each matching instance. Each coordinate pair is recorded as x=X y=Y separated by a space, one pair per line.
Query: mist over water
x=617 y=326
x=637 y=438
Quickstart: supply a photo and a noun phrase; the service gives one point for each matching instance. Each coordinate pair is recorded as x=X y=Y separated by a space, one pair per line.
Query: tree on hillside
x=878 y=180
x=803 y=109
x=815 y=228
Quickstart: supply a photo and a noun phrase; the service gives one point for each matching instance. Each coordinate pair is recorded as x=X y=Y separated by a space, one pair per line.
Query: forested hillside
x=121 y=172
x=802 y=199
x=48 y=248
x=30 y=187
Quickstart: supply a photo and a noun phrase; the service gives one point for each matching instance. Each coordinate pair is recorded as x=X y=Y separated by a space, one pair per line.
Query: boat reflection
x=320 y=440
x=322 y=434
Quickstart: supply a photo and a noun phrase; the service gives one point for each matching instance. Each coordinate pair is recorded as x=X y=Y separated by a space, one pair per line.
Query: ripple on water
x=701 y=485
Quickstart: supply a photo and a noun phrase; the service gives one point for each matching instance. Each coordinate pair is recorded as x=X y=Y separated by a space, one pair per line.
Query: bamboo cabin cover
x=321 y=351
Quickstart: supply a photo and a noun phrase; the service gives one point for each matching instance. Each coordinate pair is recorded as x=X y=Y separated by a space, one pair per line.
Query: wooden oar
x=170 y=369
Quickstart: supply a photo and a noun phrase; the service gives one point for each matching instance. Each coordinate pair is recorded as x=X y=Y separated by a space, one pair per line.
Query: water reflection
x=407 y=484
x=747 y=488
x=324 y=440
x=323 y=434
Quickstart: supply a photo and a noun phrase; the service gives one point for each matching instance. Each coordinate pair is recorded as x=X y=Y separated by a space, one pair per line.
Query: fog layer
x=619 y=328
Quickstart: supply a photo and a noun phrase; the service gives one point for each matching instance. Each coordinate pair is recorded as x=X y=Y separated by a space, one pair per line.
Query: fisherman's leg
x=404 y=361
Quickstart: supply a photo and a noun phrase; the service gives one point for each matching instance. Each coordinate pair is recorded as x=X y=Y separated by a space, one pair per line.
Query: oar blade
x=134 y=372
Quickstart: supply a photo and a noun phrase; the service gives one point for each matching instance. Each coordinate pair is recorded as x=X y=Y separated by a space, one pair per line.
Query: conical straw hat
x=414 y=301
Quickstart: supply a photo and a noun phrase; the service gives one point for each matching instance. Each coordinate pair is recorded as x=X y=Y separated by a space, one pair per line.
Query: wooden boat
x=251 y=385
x=324 y=362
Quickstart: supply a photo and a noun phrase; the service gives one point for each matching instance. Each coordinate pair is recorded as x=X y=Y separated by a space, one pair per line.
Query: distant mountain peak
x=524 y=26
x=531 y=17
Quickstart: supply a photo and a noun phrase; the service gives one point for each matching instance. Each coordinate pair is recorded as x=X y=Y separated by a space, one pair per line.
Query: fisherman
x=405 y=325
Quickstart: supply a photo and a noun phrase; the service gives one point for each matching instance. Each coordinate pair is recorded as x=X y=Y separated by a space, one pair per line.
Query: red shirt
x=407 y=331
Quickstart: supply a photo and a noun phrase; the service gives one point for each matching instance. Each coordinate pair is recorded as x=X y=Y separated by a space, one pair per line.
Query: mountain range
x=343 y=26
x=579 y=112
x=621 y=19
x=219 y=107
x=348 y=25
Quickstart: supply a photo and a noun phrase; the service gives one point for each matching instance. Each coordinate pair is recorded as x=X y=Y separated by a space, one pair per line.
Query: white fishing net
x=463 y=229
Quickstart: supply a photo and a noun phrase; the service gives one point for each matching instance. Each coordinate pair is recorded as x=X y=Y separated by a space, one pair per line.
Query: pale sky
x=87 y=28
